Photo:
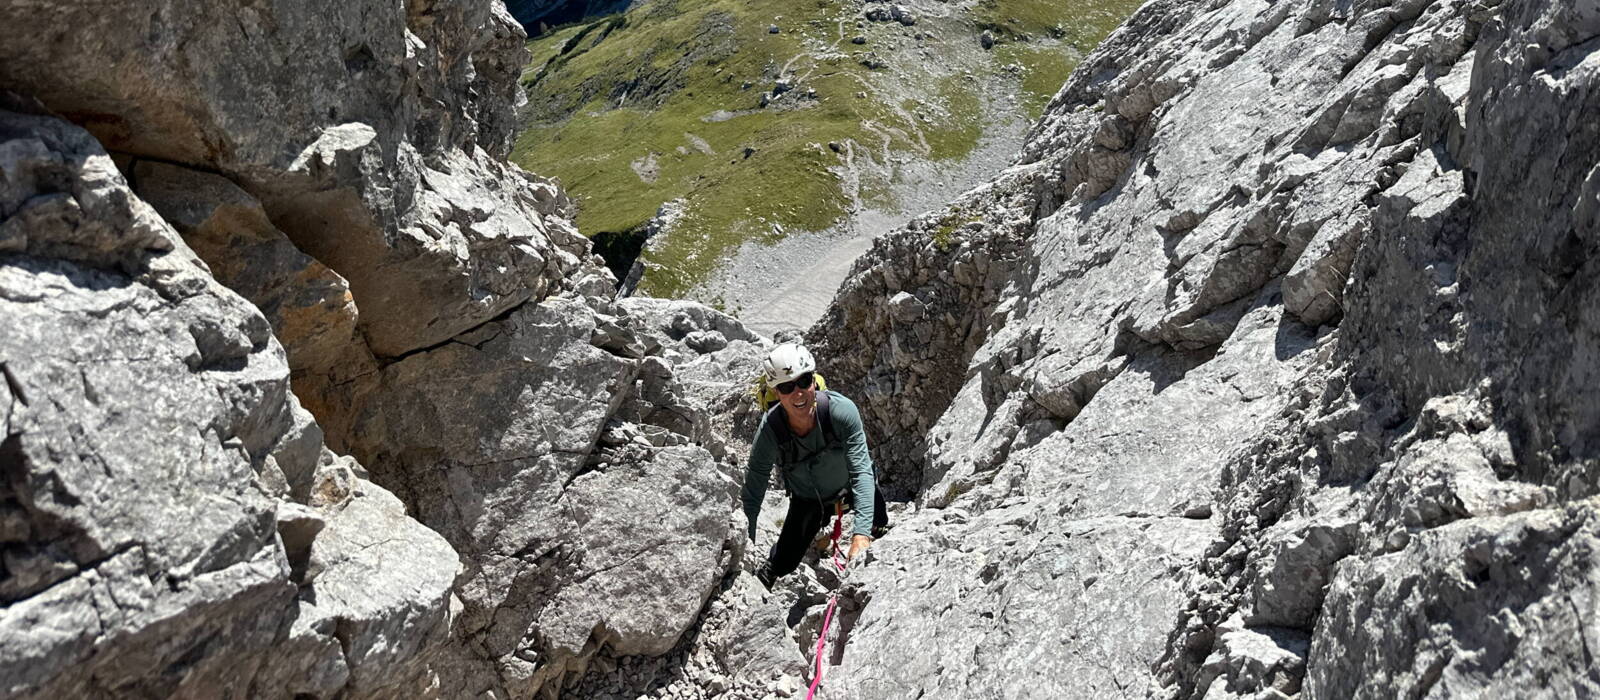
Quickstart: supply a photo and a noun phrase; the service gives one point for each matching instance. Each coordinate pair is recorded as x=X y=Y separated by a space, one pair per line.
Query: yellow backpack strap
x=764 y=395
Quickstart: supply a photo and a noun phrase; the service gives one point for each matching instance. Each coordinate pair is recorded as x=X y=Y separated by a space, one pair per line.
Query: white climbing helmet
x=786 y=362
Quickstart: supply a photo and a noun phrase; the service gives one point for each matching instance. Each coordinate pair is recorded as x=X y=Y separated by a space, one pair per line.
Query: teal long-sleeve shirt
x=826 y=473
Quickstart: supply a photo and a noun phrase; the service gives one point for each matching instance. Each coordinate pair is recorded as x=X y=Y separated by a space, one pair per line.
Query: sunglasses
x=801 y=382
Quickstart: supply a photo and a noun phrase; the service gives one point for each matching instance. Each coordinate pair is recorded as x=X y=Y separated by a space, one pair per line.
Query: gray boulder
x=582 y=537
x=1397 y=622
x=381 y=122
x=149 y=434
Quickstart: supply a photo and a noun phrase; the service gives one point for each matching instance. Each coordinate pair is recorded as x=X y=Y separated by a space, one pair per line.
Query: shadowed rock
x=310 y=307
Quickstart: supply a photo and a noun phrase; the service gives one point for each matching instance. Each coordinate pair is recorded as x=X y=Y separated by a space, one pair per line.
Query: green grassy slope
x=1043 y=40
x=663 y=103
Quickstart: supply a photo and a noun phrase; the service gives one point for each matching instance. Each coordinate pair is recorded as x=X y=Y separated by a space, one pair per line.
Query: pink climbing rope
x=833 y=602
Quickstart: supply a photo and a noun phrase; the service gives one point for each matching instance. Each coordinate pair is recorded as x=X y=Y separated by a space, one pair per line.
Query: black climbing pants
x=800 y=527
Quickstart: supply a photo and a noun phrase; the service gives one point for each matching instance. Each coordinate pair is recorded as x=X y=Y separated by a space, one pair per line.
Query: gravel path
x=789 y=285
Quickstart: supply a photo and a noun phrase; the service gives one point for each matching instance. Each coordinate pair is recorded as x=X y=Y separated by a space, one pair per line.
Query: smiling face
x=798 y=403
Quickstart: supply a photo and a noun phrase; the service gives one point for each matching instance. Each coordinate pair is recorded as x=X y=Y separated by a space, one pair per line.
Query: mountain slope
x=760 y=134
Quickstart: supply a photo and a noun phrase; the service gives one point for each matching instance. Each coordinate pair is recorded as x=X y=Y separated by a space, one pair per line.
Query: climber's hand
x=858 y=544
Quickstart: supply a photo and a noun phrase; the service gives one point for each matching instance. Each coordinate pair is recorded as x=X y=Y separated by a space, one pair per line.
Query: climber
x=817 y=440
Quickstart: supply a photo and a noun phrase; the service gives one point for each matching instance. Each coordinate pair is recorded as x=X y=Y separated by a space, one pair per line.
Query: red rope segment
x=833 y=602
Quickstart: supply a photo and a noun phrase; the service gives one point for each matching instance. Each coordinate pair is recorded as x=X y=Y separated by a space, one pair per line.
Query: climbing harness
x=833 y=600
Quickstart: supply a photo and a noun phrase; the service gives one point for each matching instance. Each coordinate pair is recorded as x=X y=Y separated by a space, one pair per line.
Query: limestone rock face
x=556 y=451
x=341 y=169
x=1266 y=370
x=1525 y=583
x=371 y=132
x=1296 y=291
x=151 y=450
x=902 y=331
